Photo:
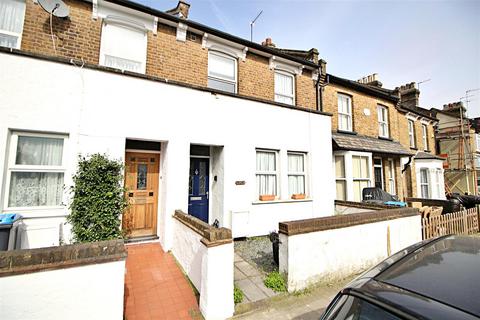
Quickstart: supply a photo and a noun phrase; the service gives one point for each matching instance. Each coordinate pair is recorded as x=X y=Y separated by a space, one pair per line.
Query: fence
x=461 y=222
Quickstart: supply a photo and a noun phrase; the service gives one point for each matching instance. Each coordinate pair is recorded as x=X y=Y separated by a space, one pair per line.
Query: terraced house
x=222 y=128
x=381 y=138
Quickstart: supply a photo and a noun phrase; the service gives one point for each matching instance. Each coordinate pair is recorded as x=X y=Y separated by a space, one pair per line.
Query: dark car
x=434 y=279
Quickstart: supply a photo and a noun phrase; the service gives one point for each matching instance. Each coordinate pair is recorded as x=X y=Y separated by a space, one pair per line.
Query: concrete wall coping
x=211 y=236
x=362 y=205
x=291 y=228
x=17 y=262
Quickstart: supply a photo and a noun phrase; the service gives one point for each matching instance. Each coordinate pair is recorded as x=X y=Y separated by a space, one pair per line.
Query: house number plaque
x=240 y=183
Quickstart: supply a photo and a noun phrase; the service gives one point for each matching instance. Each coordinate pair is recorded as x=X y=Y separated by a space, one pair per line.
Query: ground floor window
x=391 y=177
x=361 y=175
x=424 y=183
x=296 y=173
x=266 y=172
x=35 y=170
x=340 y=178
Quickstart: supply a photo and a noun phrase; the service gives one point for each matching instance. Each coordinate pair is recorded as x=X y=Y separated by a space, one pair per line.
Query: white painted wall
x=209 y=269
x=87 y=292
x=431 y=165
x=334 y=254
x=99 y=110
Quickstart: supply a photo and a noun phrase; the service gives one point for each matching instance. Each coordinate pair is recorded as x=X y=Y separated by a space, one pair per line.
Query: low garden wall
x=81 y=281
x=206 y=255
x=330 y=248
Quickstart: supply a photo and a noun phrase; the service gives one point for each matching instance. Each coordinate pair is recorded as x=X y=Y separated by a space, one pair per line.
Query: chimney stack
x=181 y=10
x=454 y=108
x=409 y=95
x=268 y=43
x=371 y=80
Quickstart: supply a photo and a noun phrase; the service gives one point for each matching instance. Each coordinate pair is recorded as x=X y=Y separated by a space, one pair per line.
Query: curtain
x=221 y=67
x=33 y=189
x=39 y=151
x=424 y=183
x=358 y=188
x=8 y=41
x=11 y=15
x=341 y=189
x=295 y=163
x=340 y=166
x=122 y=64
x=296 y=184
x=266 y=178
x=360 y=167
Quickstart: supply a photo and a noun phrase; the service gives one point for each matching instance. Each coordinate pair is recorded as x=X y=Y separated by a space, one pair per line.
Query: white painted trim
x=278 y=63
x=155 y=25
x=425 y=121
x=200 y=157
x=412 y=116
x=143 y=151
x=182 y=32
x=227 y=56
x=292 y=75
x=94 y=9
x=106 y=9
x=227 y=47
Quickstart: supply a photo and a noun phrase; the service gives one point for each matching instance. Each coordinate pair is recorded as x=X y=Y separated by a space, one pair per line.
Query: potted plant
x=298 y=196
x=267 y=197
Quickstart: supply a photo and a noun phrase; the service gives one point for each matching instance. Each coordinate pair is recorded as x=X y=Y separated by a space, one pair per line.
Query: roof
x=379 y=92
x=426 y=156
x=345 y=141
x=444 y=270
x=209 y=30
x=420 y=111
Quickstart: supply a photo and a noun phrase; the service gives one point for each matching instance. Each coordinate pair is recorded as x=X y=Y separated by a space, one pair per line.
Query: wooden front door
x=141 y=182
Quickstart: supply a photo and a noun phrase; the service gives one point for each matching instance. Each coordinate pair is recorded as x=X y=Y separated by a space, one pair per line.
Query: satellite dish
x=56 y=7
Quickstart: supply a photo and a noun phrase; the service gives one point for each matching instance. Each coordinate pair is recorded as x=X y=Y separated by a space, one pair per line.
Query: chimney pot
x=268 y=43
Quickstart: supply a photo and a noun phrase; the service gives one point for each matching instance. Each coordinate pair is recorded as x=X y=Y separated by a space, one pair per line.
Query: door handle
x=130 y=194
x=207 y=194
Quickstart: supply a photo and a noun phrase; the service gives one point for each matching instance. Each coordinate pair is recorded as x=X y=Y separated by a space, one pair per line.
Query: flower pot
x=267 y=197
x=298 y=196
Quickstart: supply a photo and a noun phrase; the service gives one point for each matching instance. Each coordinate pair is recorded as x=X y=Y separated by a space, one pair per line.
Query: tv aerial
x=56 y=8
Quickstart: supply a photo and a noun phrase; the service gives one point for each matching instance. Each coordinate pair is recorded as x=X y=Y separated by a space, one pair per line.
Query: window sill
x=385 y=138
x=38 y=212
x=413 y=148
x=282 y=201
x=347 y=132
x=427 y=151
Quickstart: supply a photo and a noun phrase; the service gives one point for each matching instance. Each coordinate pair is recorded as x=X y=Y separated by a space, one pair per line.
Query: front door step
x=141 y=239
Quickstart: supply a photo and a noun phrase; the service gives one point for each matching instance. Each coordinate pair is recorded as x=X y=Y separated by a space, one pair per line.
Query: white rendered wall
x=87 y=292
x=209 y=269
x=100 y=110
x=431 y=165
x=337 y=253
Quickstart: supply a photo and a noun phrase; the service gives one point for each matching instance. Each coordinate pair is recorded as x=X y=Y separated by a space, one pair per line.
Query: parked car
x=434 y=279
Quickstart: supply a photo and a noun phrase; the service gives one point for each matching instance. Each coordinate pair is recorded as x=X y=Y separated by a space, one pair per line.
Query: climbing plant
x=98 y=199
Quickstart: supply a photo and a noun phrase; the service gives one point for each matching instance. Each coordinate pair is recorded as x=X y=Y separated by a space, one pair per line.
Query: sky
x=403 y=41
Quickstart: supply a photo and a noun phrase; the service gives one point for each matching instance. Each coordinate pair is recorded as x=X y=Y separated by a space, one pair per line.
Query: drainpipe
x=319 y=91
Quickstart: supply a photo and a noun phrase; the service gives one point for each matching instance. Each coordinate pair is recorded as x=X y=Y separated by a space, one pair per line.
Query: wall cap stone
x=363 y=205
x=211 y=236
x=17 y=262
x=291 y=228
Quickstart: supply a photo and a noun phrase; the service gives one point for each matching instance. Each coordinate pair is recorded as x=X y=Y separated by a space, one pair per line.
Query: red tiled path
x=155 y=287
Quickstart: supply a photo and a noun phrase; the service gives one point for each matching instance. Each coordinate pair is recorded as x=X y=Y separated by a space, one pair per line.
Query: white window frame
x=292 y=76
x=429 y=191
x=127 y=25
x=221 y=79
x=298 y=174
x=425 y=136
x=369 y=172
x=276 y=172
x=411 y=133
x=391 y=177
x=17 y=34
x=348 y=115
x=12 y=167
x=438 y=184
x=344 y=178
x=382 y=115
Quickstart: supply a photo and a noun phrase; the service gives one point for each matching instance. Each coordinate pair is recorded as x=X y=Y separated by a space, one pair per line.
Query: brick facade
x=78 y=37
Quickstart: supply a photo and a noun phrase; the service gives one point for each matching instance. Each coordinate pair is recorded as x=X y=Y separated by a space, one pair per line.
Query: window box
x=267 y=197
x=298 y=196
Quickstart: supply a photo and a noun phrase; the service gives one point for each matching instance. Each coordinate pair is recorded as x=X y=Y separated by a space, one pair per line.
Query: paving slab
x=250 y=290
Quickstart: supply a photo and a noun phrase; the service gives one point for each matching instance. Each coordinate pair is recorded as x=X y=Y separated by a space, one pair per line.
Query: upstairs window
x=382 y=121
x=12 y=14
x=425 y=137
x=35 y=170
x=296 y=173
x=411 y=133
x=267 y=173
x=222 y=72
x=284 y=87
x=123 y=47
x=344 y=113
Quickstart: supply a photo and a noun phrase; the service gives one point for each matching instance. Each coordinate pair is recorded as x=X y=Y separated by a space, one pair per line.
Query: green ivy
x=98 y=199
x=237 y=295
x=275 y=281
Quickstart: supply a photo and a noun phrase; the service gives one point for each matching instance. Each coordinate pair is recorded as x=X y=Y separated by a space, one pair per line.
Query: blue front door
x=198 y=188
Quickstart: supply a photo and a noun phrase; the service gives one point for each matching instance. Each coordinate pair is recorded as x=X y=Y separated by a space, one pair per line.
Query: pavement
x=307 y=305
x=250 y=281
